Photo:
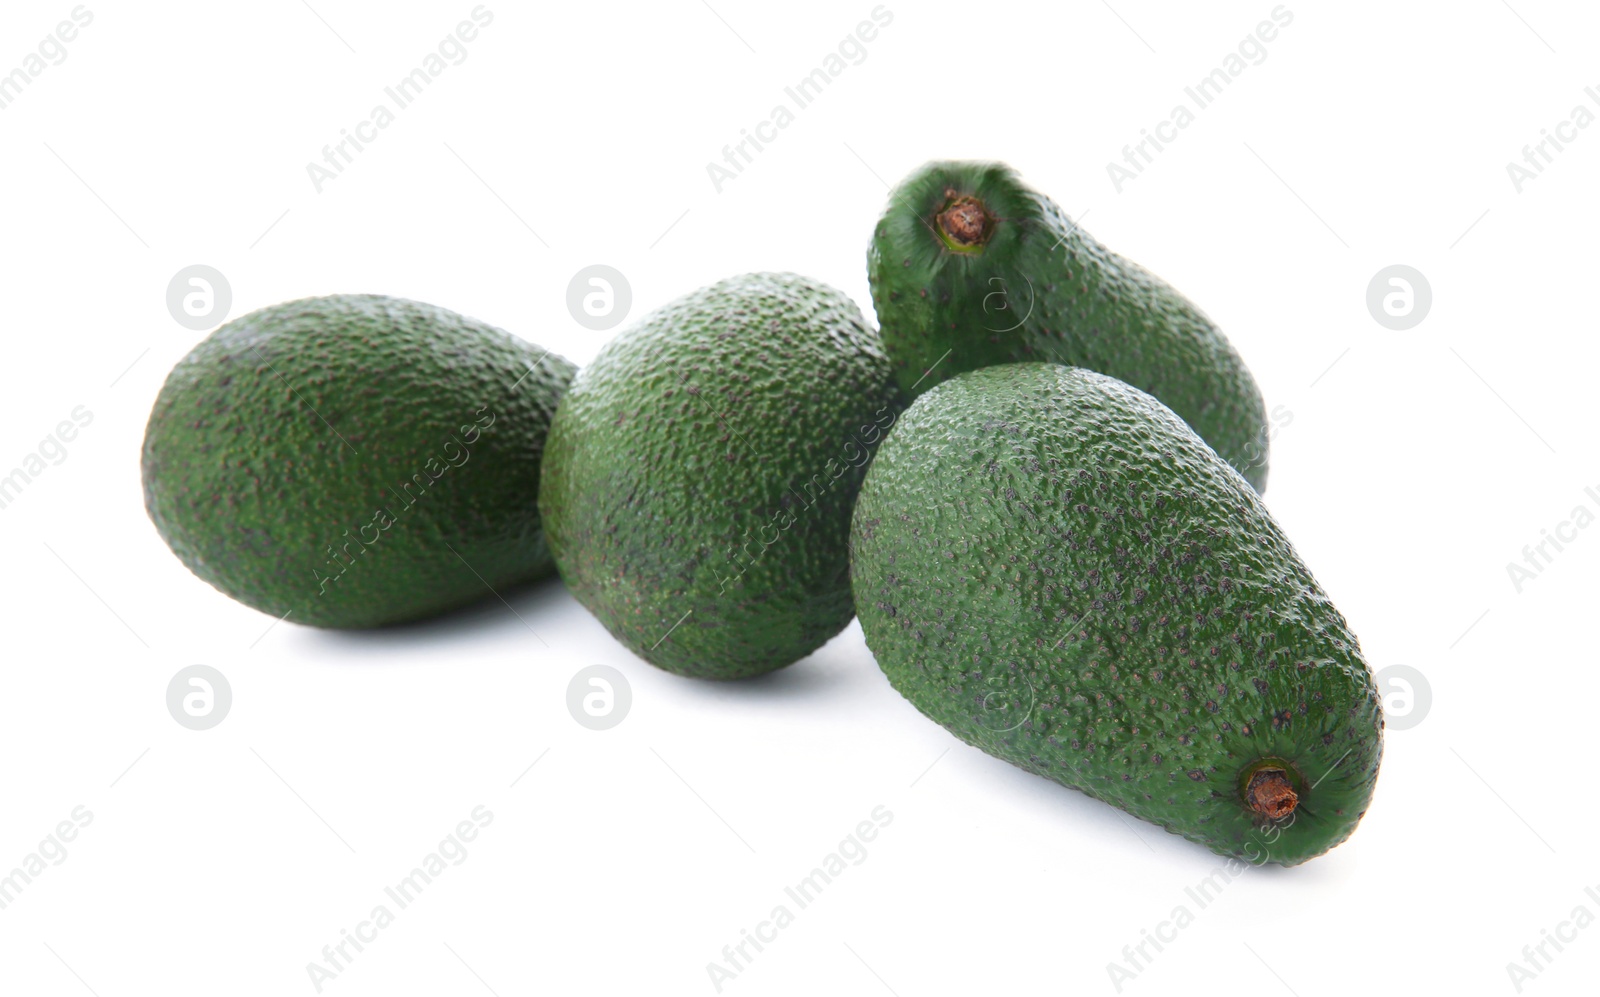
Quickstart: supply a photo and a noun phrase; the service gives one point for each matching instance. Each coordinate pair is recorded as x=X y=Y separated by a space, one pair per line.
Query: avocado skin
x=1054 y=567
x=1043 y=289
x=700 y=474
x=279 y=446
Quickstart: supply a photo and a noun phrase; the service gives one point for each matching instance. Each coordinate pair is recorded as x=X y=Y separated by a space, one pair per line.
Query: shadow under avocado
x=817 y=674
x=803 y=678
x=515 y=608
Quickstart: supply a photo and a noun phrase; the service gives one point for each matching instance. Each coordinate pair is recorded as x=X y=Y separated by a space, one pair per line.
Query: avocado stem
x=1270 y=794
x=965 y=224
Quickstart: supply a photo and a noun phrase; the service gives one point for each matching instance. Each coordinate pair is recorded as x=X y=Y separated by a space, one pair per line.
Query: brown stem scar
x=966 y=221
x=1270 y=794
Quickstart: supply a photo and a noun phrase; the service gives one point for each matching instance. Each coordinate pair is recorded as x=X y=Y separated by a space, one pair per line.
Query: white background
x=1417 y=464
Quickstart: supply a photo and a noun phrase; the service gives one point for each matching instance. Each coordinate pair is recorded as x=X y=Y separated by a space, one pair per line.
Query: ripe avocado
x=971 y=268
x=1053 y=566
x=354 y=461
x=700 y=474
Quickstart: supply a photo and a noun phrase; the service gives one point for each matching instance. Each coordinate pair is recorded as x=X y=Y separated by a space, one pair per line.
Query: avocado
x=699 y=476
x=1053 y=566
x=972 y=268
x=354 y=461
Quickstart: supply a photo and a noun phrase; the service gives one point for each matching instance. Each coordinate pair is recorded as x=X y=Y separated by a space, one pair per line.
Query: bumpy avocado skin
x=700 y=474
x=354 y=461
x=1055 y=568
x=1041 y=288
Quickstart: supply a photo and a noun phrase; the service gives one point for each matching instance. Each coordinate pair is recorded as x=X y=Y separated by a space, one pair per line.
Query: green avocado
x=1054 y=567
x=354 y=461
x=971 y=268
x=700 y=474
